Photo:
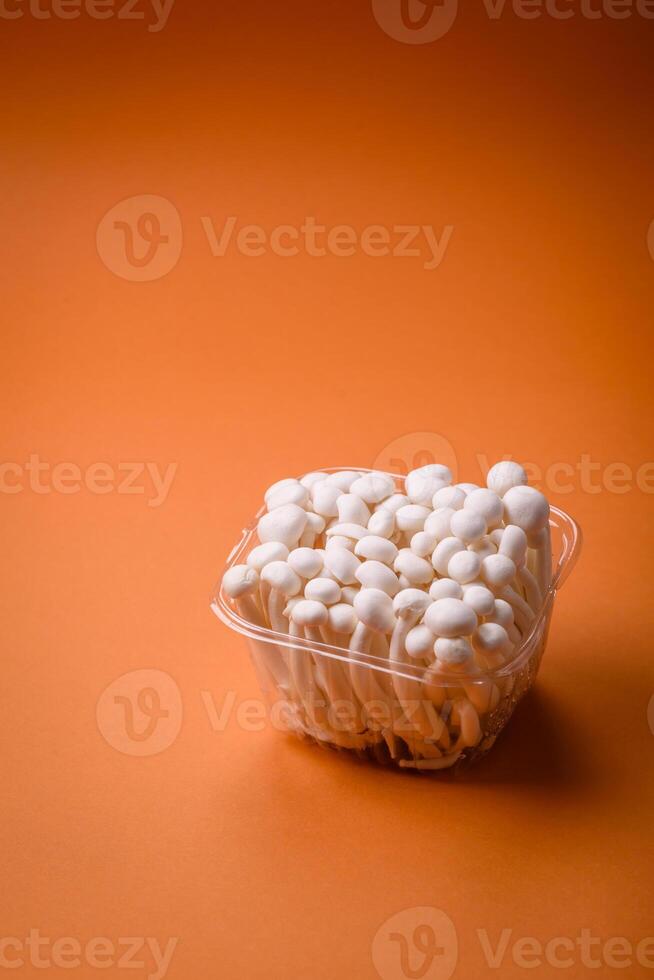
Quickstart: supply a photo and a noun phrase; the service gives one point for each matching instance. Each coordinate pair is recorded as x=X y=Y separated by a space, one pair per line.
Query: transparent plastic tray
x=411 y=719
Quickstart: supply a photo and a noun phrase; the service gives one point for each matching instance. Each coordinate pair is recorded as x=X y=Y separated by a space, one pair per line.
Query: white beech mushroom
x=452 y=497
x=314 y=527
x=450 y=618
x=324 y=497
x=305 y=562
x=284 y=524
x=423 y=544
x=411 y=518
x=530 y=510
x=343 y=479
x=505 y=475
x=409 y=606
x=373 y=487
x=352 y=510
x=416 y=570
x=263 y=554
x=284 y=583
x=343 y=564
x=464 y=567
x=444 y=551
x=488 y=504
x=375 y=575
x=422 y=483
x=286 y=492
x=240 y=583
x=382 y=523
x=377 y=548
x=374 y=610
x=323 y=590
x=445 y=588
x=467 y=525
x=438 y=523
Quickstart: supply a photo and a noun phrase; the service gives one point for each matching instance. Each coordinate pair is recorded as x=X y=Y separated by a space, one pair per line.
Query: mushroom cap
x=240 y=580
x=422 y=543
x=306 y=562
x=488 y=504
x=276 y=487
x=491 y=638
x=412 y=517
x=324 y=496
x=497 y=571
x=375 y=610
x=504 y=475
x=373 y=487
x=308 y=612
x=351 y=509
x=502 y=613
x=382 y=523
x=514 y=544
x=315 y=522
x=348 y=530
x=445 y=588
x=419 y=641
x=343 y=564
x=286 y=492
x=309 y=479
x=284 y=524
x=526 y=507
x=453 y=651
x=464 y=566
x=438 y=523
x=263 y=554
x=452 y=497
x=279 y=575
x=324 y=590
x=450 y=617
x=469 y=525
x=339 y=541
x=393 y=503
x=479 y=598
x=444 y=551
x=377 y=548
x=343 y=479
x=468 y=487
x=413 y=601
x=417 y=570
x=421 y=484
x=342 y=618
x=375 y=575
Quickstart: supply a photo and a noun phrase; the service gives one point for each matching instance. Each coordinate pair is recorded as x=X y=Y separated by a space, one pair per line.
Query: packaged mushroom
x=400 y=618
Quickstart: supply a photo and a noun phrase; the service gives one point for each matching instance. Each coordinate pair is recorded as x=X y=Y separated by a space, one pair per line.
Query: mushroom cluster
x=398 y=608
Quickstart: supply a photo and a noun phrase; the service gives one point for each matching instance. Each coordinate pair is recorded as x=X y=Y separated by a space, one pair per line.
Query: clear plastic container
x=410 y=717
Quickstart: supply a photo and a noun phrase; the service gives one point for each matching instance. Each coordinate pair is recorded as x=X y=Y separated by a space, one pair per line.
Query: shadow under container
x=411 y=717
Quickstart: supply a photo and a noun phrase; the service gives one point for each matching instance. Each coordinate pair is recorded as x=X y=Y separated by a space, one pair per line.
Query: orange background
x=533 y=139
